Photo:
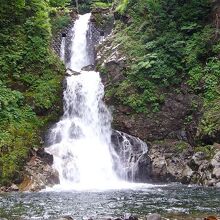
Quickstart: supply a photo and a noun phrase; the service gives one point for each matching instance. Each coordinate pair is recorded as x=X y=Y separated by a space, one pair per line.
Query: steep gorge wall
x=179 y=112
x=168 y=116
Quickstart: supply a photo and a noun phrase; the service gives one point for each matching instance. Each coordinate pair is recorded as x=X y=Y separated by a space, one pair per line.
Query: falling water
x=81 y=143
x=79 y=53
x=62 y=49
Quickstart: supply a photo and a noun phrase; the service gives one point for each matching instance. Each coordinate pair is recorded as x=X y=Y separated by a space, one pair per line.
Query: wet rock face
x=144 y=169
x=103 y=20
x=168 y=123
x=129 y=151
x=39 y=173
x=67 y=33
x=111 y=62
x=169 y=164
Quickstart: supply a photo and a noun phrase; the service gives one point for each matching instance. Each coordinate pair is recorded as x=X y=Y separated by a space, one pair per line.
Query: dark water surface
x=171 y=200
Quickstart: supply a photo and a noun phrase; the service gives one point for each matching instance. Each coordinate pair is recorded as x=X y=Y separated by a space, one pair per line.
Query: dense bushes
x=30 y=81
x=169 y=44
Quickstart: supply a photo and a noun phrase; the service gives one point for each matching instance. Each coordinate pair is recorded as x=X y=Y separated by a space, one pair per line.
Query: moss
x=60 y=18
x=100 y=4
x=209 y=150
x=210 y=123
x=181 y=146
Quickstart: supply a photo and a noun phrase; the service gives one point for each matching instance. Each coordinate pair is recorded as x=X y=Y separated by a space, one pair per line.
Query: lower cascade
x=81 y=142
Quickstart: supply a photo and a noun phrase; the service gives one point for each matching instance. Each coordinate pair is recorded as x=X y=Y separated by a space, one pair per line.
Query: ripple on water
x=172 y=200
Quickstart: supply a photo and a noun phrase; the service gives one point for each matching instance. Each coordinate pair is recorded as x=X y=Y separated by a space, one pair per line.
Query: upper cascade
x=79 y=53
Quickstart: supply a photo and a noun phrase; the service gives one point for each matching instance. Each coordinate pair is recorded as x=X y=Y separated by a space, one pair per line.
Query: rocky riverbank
x=37 y=174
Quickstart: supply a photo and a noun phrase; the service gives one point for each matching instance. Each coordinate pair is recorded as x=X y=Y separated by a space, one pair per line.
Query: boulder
x=216 y=160
x=65 y=218
x=212 y=182
x=211 y=218
x=70 y=72
x=217 y=184
x=216 y=173
x=129 y=150
x=133 y=217
x=154 y=216
x=38 y=173
x=144 y=170
x=14 y=187
x=88 y=68
x=197 y=159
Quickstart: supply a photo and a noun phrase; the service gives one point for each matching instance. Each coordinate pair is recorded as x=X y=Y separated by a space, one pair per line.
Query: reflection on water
x=173 y=200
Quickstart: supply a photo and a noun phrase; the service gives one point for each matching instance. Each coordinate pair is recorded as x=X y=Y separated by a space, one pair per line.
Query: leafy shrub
x=30 y=79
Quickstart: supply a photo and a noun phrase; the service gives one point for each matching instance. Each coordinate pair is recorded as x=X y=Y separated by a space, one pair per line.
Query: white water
x=79 y=53
x=81 y=140
x=62 y=49
x=81 y=143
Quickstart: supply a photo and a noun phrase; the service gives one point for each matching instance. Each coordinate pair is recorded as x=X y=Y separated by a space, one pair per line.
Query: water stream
x=172 y=201
x=81 y=140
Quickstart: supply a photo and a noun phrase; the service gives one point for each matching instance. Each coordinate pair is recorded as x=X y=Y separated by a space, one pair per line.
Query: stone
x=133 y=217
x=47 y=158
x=216 y=160
x=144 y=170
x=217 y=146
x=197 y=159
x=65 y=218
x=154 y=216
x=89 y=68
x=70 y=72
x=211 y=218
x=38 y=174
x=130 y=149
x=3 y=189
x=211 y=182
x=217 y=184
x=199 y=156
x=14 y=187
x=216 y=173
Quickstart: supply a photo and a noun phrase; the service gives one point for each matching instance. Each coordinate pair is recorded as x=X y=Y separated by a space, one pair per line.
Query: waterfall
x=81 y=140
x=81 y=143
x=62 y=49
x=79 y=53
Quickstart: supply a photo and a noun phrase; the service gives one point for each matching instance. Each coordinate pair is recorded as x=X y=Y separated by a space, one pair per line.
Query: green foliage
x=208 y=150
x=181 y=146
x=167 y=43
x=99 y=4
x=59 y=3
x=59 y=19
x=210 y=123
x=121 y=8
x=29 y=82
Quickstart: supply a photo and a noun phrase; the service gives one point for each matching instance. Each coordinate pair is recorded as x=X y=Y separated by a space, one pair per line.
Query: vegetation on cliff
x=30 y=81
x=171 y=47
